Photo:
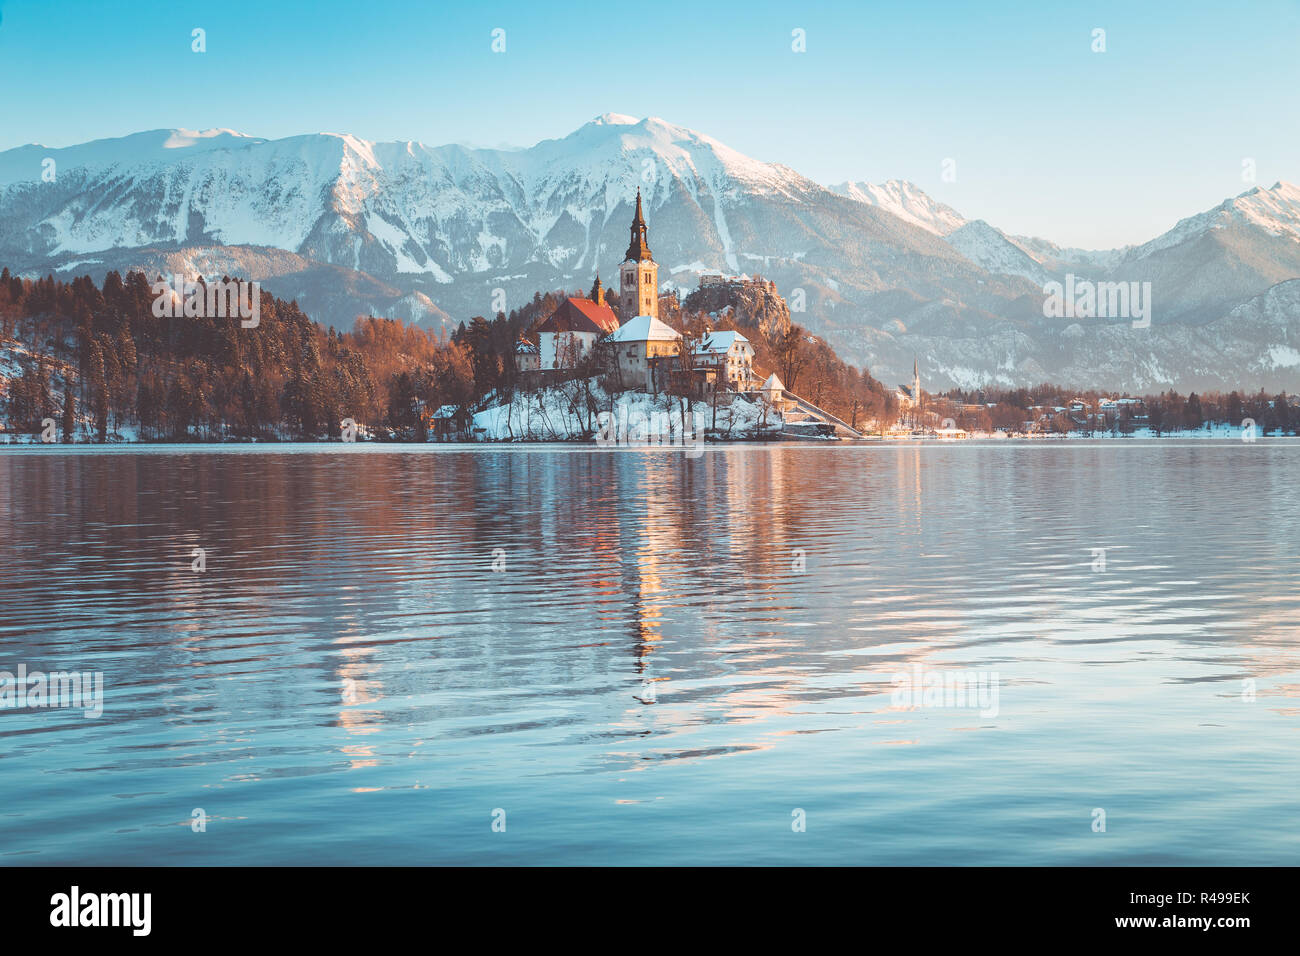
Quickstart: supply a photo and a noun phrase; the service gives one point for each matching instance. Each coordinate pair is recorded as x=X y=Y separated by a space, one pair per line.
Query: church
x=909 y=396
x=645 y=349
x=639 y=273
x=640 y=339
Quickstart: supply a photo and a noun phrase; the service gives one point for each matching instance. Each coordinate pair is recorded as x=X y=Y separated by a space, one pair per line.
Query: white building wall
x=553 y=345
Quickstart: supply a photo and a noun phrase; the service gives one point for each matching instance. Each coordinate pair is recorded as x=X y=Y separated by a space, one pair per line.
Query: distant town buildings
x=710 y=280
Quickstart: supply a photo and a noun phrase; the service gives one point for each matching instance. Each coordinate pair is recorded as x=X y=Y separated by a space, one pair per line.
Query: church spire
x=637 y=249
x=639 y=274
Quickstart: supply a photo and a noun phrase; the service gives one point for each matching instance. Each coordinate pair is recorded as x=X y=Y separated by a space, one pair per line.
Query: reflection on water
x=670 y=657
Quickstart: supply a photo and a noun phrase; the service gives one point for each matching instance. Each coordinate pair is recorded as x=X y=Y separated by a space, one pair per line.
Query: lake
x=562 y=655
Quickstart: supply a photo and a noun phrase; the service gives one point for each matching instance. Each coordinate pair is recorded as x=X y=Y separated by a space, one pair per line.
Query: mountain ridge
x=449 y=231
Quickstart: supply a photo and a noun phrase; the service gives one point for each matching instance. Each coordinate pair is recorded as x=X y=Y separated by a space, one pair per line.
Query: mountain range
x=438 y=234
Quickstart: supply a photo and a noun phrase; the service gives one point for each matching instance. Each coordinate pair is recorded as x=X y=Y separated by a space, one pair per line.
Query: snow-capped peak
x=615 y=141
x=1275 y=210
x=182 y=138
x=907 y=201
x=148 y=148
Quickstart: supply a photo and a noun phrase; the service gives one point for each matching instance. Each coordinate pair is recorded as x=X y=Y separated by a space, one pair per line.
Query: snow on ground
x=1217 y=430
x=10 y=353
x=1283 y=356
x=562 y=413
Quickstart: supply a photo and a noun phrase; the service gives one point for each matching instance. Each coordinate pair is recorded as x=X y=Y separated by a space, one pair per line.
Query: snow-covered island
x=582 y=411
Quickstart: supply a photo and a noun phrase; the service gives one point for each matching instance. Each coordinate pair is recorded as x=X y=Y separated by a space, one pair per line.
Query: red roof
x=580 y=315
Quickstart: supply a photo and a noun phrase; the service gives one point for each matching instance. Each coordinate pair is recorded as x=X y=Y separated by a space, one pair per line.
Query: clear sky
x=1049 y=137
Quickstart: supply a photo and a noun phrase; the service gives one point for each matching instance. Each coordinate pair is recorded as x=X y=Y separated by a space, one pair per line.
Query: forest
x=100 y=364
x=94 y=363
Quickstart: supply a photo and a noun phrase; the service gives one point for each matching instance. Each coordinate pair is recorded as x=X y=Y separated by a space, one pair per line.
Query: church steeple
x=638 y=276
x=637 y=249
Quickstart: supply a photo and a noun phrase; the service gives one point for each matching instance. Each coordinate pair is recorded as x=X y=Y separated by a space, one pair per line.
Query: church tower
x=639 y=274
x=916 y=384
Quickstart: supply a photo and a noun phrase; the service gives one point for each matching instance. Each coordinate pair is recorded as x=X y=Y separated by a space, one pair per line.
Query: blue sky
x=1049 y=138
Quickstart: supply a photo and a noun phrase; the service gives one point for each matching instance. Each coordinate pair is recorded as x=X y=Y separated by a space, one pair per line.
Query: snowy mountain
x=1258 y=343
x=388 y=208
x=990 y=249
x=906 y=201
x=1210 y=262
x=438 y=234
x=1212 y=270
x=1058 y=260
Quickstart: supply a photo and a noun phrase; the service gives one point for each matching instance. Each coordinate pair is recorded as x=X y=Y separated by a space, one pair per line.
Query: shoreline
x=983 y=440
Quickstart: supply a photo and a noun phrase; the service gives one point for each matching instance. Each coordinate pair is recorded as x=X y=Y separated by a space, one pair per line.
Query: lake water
x=638 y=657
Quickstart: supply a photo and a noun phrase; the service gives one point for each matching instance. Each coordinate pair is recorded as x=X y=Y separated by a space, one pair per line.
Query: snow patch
x=1283 y=356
